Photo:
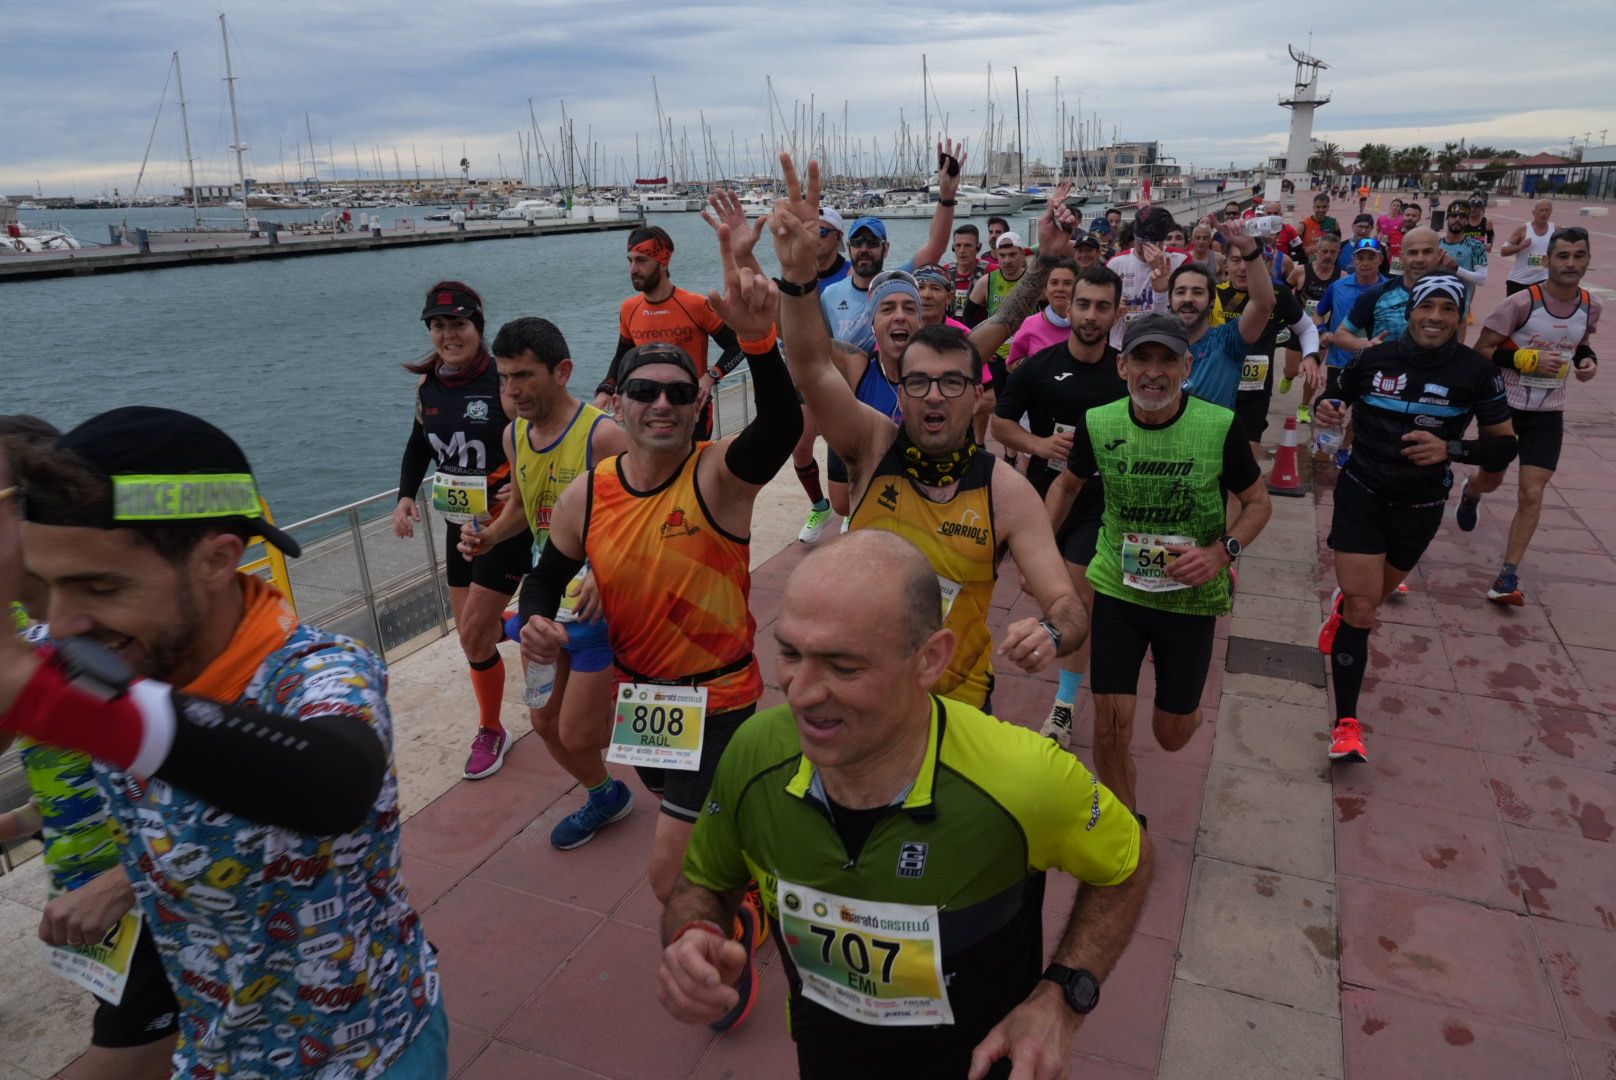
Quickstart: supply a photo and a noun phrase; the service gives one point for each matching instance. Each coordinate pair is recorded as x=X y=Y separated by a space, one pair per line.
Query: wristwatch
x=1081 y=988
x=1230 y=545
x=716 y=373
x=1054 y=634
x=93 y=668
x=791 y=288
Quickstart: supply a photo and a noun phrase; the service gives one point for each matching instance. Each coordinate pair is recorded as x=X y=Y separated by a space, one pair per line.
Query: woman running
x=458 y=426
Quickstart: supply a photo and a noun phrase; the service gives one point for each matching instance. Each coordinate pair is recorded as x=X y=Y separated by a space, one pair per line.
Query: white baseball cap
x=833 y=219
x=1008 y=238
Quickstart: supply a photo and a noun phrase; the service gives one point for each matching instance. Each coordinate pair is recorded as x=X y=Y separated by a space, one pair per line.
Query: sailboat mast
x=314 y=169
x=185 y=124
x=925 y=107
x=235 y=121
x=1021 y=150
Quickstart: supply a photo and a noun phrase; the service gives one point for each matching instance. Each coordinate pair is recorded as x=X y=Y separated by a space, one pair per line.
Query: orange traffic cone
x=1286 y=477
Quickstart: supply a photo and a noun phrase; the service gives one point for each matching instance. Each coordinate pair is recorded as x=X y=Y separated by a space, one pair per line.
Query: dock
x=167 y=249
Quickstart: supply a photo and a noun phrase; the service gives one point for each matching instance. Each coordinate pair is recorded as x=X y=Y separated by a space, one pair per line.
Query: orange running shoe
x=1346 y=742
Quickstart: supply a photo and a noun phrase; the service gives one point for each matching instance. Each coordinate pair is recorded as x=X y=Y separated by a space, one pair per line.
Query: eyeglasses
x=869 y=242
x=951 y=385
x=646 y=391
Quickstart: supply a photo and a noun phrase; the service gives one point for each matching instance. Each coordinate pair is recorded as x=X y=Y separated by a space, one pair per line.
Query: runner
x=1529 y=244
x=1381 y=314
x=1395 y=237
x=997 y=227
x=966 y=269
x=1220 y=352
x=1464 y=257
x=458 y=422
x=1054 y=389
x=927 y=479
x=1536 y=337
x=1086 y=251
x=1363 y=197
x=833 y=265
x=1363 y=228
x=1146 y=270
x=1160 y=566
x=846 y=304
x=863 y=771
x=1411 y=400
x=555 y=438
x=1319 y=225
x=661 y=311
x=665 y=530
x=935 y=284
x=832 y=268
x=1311 y=280
x=1256 y=384
x=246 y=757
x=1389 y=222
x=1202 y=251
x=1479 y=227
x=988 y=295
x=132 y=1038
x=1052 y=324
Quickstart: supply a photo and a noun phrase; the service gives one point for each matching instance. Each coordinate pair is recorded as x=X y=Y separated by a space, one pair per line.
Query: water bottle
x=1327 y=438
x=1268 y=225
x=540 y=684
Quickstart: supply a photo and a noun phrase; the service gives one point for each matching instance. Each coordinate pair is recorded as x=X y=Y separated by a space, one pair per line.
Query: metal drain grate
x=1299 y=663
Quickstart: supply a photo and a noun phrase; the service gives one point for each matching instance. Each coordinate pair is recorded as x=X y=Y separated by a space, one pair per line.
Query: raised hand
x=795 y=221
x=948 y=179
x=1055 y=224
x=724 y=208
x=751 y=299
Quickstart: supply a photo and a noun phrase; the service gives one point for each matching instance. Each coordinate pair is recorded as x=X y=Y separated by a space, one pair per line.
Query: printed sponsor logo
x=912 y=860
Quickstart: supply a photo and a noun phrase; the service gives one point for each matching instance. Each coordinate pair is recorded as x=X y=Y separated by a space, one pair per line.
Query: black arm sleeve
x=1001 y=372
x=543 y=588
x=730 y=355
x=1012 y=394
x=417 y=456
x=974 y=313
x=1286 y=305
x=608 y=385
x=318 y=775
x=765 y=444
x=1240 y=469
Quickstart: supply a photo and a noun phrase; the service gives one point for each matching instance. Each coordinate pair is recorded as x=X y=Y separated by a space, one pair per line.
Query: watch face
x=1083 y=991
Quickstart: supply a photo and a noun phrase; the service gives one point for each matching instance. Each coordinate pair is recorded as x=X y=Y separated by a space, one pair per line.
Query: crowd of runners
x=214 y=779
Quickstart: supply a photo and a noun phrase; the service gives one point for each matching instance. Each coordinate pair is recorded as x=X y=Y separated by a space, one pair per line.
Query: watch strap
x=791 y=288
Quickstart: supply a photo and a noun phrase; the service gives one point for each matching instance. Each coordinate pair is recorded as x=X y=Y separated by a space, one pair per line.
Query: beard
x=168 y=649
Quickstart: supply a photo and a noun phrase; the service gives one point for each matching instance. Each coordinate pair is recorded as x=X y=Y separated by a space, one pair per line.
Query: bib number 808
x=658 y=721
x=855 y=952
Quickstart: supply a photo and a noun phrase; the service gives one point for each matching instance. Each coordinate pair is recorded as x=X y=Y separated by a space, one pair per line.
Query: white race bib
x=460 y=499
x=875 y=963
x=1145 y=560
x=659 y=726
x=951 y=591
x=1397 y=266
x=102 y=968
x=1312 y=307
x=1535 y=260
x=1254 y=372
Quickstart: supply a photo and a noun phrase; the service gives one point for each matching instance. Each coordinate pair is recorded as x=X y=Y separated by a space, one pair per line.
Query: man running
x=554 y=439
x=1160 y=570
x=905 y=838
x=1319 y=225
x=247 y=757
x=1311 y=280
x=1529 y=246
x=1411 y=400
x=1536 y=338
x=665 y=528
x=1202 y=251
x=1363 y=228
x=1054 y=389
x=1479 y=227
x=1255 y=389
x=989 y=294
x=846 y=304
x=928 y=479
x=1464 y=257
x=1381 y=314
x=661 y=311
x=1086 y=251
x=1145 y=269
x=966 y=269
x=1338 y=300
x=1220 y=351
x=833 y=265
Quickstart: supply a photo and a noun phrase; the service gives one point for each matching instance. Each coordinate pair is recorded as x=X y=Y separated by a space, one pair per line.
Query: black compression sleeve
x=417 y=456
x=1584 y=352
x=608 y=385
x=974 y=313
x=1492 y=452
x=765 y=444
x=1504 y=356
x=543 y=588
x=1240 y=469
x=730 y=355
x=319 y=775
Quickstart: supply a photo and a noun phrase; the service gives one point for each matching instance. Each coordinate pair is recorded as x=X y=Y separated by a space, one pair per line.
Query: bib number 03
x=659 y=726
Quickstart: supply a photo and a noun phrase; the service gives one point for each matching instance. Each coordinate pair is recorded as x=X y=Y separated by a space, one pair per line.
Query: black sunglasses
x=951 y=385
x=646 y=391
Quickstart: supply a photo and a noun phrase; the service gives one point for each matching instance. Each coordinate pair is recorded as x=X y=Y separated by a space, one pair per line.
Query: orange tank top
x=674 y=585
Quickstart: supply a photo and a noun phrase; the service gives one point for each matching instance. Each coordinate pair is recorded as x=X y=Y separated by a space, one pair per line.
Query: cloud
x=1204 y=79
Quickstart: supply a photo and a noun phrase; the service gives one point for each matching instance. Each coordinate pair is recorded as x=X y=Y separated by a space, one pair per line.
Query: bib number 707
x=855 y=952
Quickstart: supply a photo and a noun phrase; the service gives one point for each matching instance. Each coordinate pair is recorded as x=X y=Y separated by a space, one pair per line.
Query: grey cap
x=1157 y=326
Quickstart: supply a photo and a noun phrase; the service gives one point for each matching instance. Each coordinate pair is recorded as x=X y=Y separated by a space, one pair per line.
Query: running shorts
x=1180 y=644
x=500 y=570
x=1539 y=436
x=587 y=646
x=147 y=1012
x=1079 y=535
x=684 y=791
x=1252 y=409
x=835 y=467
x=1363 y=523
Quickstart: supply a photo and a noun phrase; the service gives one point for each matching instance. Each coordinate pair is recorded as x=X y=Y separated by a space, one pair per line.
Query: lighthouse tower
x=1301 y=102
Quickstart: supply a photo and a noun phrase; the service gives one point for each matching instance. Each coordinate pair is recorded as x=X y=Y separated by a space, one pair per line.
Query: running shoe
x=1507 y=590
x=1401 y=590
x=1304 y=415
x=747 y=985
x=1059 y=725
x=1285 y=385
x=1331 y=625
x=760 y=930
x=1465 y=515
x=487 y=753
x=1346 y=741
x=814 y=527
x=580 y=827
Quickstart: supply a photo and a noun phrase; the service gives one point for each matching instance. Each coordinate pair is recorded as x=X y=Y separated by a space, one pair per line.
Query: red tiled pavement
x=1476 y=890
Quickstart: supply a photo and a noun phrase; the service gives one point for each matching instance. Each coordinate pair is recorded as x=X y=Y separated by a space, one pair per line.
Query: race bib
x=1254 y=372
x=1535 y=260
x=951 y=591
x=1145 y=560
x=1397 y=266
x=1549 y=382
x=1060 y=466
x=568 y=611
x=102 y=968
x=1312 y=307
x=659 y=726
x=460 y=499
x=874 y=963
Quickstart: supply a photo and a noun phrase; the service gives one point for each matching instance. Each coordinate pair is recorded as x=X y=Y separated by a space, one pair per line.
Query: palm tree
x=1449 y=160
x=1327 y=162
x=1375 y=160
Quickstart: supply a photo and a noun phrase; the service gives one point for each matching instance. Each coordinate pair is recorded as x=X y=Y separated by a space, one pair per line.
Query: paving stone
x=1293 y=621
x=1596 y=1062
x=1391 y=1035
x=1277 y=736
x=1549 y=795
x=1287 y=578
x=1417 y=712
x=1562 y=736
x=1264 y=688
x=1580 y=960
x=470 y=821
x=1569 y=878
x=464 y=1045
x=1237 y=1035
x=1535 y=672
x=1270 y=820
x=1424 y=848
x=1163 y=916
x=1443 y=950
x=597 y=876
x=1260 y=933
x=1418 y=774
x=1127 y=1025
x=505 y=1061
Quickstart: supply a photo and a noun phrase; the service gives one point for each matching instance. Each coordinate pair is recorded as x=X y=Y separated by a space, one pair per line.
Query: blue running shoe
x=1465 y=515
x=1507 y=590
x=580 y=827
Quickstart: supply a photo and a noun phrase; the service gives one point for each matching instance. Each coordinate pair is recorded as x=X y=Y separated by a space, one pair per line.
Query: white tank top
x=1549 y=334
x=1532 y=263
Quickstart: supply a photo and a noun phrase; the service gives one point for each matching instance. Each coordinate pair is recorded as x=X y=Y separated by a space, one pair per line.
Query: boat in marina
x=532 y=210
x=20 y=239
x=662 y=202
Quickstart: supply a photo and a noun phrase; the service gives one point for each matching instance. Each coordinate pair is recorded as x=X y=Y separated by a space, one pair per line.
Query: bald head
x=893 y=582
x=1420 y=237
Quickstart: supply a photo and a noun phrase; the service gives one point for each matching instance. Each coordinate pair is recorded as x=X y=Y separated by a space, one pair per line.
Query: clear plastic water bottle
x=1327 y=438
x=1267 y=225
x=540 y=684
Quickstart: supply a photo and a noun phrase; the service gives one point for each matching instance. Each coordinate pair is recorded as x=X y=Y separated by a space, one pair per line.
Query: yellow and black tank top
x=674 y=585
x=543 y=474
x=959 y=539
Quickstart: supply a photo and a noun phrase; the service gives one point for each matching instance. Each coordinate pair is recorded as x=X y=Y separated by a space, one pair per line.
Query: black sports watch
x=1081 y=988
x=1054 y=634
x=791 y=288
x=1232 y=546
x=93 y=668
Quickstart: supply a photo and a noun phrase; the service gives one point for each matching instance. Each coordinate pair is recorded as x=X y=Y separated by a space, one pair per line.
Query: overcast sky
x=80 y=89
